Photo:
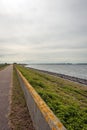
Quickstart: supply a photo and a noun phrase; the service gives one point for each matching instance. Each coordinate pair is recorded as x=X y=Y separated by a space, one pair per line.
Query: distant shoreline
x=75 y=79
x=57 y=64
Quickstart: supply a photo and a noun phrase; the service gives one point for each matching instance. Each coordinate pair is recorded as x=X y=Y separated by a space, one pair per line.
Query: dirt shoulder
x=19 y=115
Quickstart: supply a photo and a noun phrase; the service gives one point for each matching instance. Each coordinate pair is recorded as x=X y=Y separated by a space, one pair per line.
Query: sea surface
x=79 y=71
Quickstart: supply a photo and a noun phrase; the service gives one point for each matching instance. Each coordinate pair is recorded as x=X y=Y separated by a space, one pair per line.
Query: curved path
x=5 y=87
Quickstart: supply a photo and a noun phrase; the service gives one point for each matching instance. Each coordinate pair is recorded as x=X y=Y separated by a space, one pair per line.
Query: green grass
x=68 y=100
x=19 y=114
x=2 y=66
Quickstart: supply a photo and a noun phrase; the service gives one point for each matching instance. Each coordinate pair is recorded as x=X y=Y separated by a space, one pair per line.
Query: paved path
x=5 y=85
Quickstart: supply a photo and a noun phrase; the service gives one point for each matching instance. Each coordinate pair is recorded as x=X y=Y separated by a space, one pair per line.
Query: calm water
x=79 y=71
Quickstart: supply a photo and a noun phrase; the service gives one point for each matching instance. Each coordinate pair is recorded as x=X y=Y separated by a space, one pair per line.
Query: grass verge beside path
x=68 y=100
x=2 y=66
x=19 y=115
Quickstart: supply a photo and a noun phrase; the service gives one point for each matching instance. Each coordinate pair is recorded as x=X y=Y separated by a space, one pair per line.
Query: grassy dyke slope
x=19 y=114
x=68 y=100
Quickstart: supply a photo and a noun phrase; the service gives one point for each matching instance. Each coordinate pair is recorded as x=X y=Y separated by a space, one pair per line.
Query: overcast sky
x=43 y=31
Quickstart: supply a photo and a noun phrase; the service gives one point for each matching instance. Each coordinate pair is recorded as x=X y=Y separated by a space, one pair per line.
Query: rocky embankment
x=75 y=79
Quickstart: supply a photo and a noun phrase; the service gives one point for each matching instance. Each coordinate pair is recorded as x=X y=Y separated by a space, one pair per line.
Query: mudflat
x=5 y=87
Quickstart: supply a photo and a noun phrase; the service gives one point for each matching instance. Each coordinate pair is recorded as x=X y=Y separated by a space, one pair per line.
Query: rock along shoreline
x=75 y=79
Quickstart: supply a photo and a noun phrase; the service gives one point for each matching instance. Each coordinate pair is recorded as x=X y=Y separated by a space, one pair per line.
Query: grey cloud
x=43 y=28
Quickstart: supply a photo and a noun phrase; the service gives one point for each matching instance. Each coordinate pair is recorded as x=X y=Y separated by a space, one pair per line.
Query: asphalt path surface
x=5 y=88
